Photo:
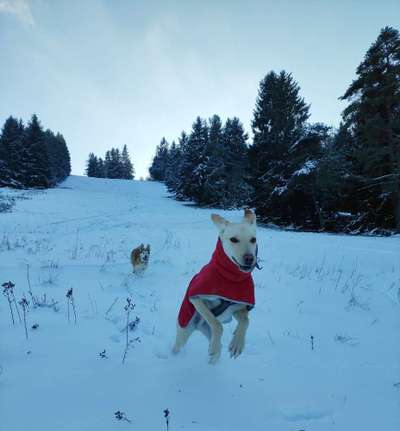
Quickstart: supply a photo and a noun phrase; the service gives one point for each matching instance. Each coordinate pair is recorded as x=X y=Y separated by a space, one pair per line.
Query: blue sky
x=113 y=72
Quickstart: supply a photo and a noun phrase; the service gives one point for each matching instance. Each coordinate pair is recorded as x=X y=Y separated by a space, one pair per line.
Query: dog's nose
x=248 y=259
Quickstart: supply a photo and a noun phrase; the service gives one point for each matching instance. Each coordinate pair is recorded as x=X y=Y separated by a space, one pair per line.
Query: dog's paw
x=214 y=351
x=237 y=345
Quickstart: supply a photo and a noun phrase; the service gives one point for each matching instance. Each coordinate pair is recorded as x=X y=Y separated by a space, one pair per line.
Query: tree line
x=208 y=165
x=296 y=173
x=116 y=164
x=31 y=156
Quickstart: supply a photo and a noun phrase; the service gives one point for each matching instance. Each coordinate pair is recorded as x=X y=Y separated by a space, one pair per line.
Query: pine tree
x=215 y=183
x=159 y=164
x=59 y=158
x=173 y=167
x=349 y=200
x=210 y=165
x=311 y=192
x=35 y=164
x=226 y=165
x=11 y=153
x=332 y=183
x=101 y=168
x=51 y=146
x=193 y=170
x=176 y=179
x=194 y=161
x=114 y=167
x=64 y=158
x=92 y=167
x=279 y=120
x=373 y=117
x=30 y=157
x=120 y=165
x=107 y=163
x=127 y=166
x=238 y=191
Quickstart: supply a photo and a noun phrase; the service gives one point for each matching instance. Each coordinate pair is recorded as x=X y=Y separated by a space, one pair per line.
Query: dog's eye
x=234 y=240
x=253 y=240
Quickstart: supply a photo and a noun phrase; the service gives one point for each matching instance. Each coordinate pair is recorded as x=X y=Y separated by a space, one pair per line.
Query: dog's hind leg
x=182 y=335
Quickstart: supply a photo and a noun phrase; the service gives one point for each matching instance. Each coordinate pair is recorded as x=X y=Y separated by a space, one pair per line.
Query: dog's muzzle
x=250 y=267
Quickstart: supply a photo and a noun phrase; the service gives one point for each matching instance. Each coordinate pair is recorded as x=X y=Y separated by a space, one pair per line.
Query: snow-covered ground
x=343 y=291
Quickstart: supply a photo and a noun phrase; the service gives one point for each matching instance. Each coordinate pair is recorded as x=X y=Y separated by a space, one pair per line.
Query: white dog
x=222 y=289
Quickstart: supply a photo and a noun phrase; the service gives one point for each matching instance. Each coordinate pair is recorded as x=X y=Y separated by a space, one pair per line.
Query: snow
x=307 y=168
x=343 y=291
x=344 y=214
x=280 y=189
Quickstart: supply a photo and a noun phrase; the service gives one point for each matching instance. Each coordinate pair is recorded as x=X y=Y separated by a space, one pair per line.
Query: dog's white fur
x=239 y=242
x=140 y=257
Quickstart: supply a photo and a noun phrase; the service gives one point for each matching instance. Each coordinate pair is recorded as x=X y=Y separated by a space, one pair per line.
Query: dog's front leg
x=237 y=344
x=182 y=335
x=214 y=350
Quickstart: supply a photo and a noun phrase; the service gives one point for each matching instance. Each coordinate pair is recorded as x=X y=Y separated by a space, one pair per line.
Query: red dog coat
x=220 y=278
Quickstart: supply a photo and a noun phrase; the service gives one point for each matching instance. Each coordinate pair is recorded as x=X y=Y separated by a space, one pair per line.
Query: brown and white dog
x=140 y=257
x=223 y=289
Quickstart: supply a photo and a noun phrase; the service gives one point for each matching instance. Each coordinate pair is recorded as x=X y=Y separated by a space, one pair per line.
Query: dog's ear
x=219 y=221
x=249 y=216
x=148 y=247
x=141 y=246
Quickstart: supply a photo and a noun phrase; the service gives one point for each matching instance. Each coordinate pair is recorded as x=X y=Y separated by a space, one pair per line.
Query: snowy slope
x=343 y=291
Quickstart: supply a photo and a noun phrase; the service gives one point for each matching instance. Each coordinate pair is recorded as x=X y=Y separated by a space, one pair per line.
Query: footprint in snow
x=161 y=353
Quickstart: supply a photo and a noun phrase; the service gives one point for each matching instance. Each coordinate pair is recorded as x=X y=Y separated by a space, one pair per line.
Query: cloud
x=20 y=8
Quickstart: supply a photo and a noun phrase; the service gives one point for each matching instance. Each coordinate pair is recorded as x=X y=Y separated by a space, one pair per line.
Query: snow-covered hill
x=342 y=291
